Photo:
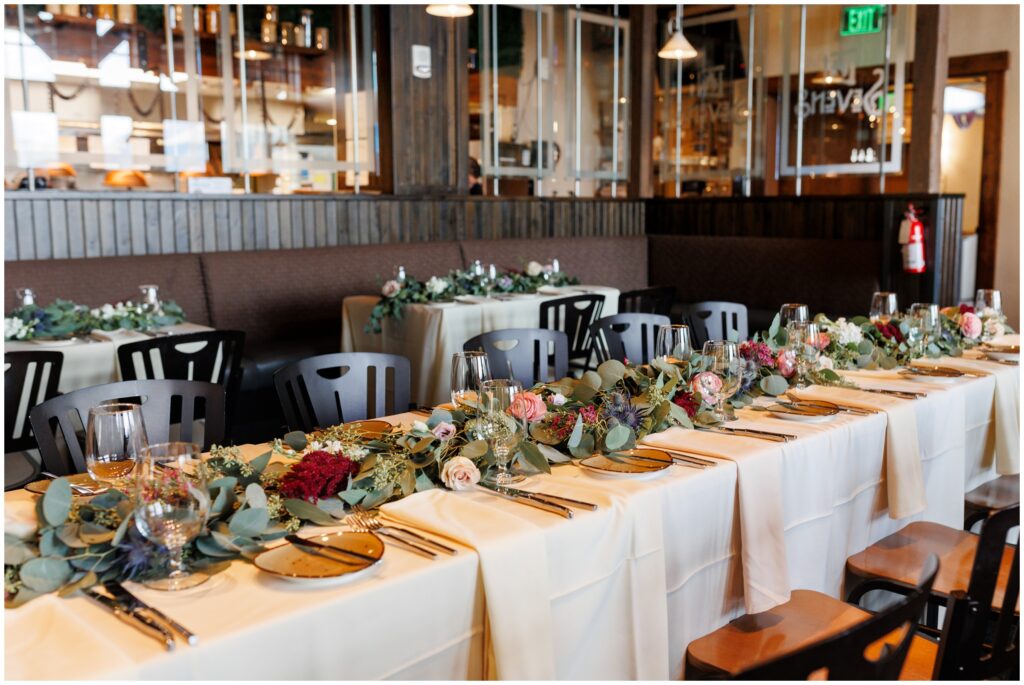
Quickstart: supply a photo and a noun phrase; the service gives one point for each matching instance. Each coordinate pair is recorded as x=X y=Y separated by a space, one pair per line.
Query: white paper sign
x=421 y=61
x=35 y=138
x=115 y=132
x=209 y=185
x=185 y=145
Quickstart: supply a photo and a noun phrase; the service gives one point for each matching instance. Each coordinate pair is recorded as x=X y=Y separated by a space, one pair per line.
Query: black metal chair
x=210 y=356
x=172 y=410
x=654 y=300
x=330 y=389
x=30 y=378
x=574 y=316
x=714 y=321
x=532 y=354
x=627 y=336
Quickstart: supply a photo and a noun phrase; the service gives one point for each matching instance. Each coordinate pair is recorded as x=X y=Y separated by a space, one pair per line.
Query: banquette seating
x=288 y=302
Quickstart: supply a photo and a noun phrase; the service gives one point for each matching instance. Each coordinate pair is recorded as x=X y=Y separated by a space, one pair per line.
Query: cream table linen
x=92 y=361
x=429 y=334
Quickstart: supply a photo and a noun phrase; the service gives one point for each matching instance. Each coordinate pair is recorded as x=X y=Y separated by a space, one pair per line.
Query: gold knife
x=551 y=508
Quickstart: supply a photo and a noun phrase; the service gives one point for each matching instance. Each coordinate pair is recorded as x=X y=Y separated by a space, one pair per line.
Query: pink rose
x=822 y=341
x=390 y=288
x=970 y=325
x=787 y=363
x=708 y=385
x=528 y=407
x=459 y=473
x=444 y=431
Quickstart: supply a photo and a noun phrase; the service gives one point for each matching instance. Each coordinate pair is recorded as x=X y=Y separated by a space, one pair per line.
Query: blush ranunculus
x=786 y=363
x=391 y=289
x=708 y=385
x=970 y=325
x=823 y=341
x=459 y=473
x=528 y=407
x=444 y=431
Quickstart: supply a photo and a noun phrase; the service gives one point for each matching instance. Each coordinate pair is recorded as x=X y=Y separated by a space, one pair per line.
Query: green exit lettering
x=861 y=20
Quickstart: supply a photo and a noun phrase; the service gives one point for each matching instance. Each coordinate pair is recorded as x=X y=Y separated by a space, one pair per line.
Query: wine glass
x=926 y=316
x=883 y=307
x=150 y=296
x=802 y=342
x=988 y=303
x=115 y=436
x=673 y=344
x=793 y=311
x=502 y=431
x=726 y=363
x=171 y=504
x=469 y=370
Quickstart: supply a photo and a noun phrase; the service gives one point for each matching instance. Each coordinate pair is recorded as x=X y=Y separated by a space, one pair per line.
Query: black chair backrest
x=843 y=654
x=654 y=300
x=980 y=642
x=30 y=378
x=533 y=354
x=210 y=356
x=170 y=409
x=330 y=389
x=714 y=320
x=627 y=336
x=573 y=316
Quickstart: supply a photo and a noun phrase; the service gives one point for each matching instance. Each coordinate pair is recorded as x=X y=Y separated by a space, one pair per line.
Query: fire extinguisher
x=912 y=239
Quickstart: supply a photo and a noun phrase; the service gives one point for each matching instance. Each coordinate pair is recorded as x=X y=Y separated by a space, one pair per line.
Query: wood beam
x=643 y=49
x=931 y=64
x=991 y=159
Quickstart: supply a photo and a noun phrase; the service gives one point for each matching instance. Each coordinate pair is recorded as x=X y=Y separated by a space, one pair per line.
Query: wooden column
x=643 y=50
x=931 y=62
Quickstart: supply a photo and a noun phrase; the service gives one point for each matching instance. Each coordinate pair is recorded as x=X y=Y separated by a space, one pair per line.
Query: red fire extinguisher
x=912 y=239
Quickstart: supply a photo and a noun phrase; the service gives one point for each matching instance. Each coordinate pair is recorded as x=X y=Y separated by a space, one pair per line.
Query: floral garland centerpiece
x=64 y=319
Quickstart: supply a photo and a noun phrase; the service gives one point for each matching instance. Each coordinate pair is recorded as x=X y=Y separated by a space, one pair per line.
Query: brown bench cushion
x=99 y=280
x=286 y=294
x=834 y=277
x=617 y=262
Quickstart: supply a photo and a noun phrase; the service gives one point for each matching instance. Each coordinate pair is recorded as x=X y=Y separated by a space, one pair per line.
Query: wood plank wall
x=59 y=225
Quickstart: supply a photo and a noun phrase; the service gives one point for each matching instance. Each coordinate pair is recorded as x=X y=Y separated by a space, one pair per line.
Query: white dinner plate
x=472 y=299
x=308 y=569
x=1000 y=356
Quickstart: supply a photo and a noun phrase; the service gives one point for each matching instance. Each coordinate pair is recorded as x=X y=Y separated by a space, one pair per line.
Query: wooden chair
x=330 y=389
x=533 y=354
x=714 y=321
x=30 y=378
x=981 y=502
x=210 y=356
x=813 y=632
x=654 y=300
x=627 y=336
x=574 y=316
x=172 y=410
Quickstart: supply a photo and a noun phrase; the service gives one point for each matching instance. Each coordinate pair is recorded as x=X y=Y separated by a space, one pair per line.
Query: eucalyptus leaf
x=680 y=416
x=423 y=482
x=552 y=455
x=86 y=580
x=95 y=534
x=353 y=495
x=209 y=546
x=108 y=500
x=773 y=330
x=296 y=440
x=249 y=522
x=260 y=462
x=542 y=434
x=333 y=506
x=439 y=416
x=583 y=393
x=617 y=437
x=422 y=444
x=16 y=551
x=577 y=433
x=224 y=483
x=378 y=497
x=308 y=512
x=888 y=363
x=533 y=457
x=57 y=502
x=407 y=482
x=121 y=531
x=585 y=448
x=865 y=347
x=774 y=385
x=255 y=497
x=51 y=546
x=45 y=574
x=474 y=450
x=592 y=379
x=611 y=371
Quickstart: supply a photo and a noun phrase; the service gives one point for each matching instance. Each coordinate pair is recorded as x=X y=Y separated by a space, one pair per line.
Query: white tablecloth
x=429 y=334
x=622 y=591
x=93 y=360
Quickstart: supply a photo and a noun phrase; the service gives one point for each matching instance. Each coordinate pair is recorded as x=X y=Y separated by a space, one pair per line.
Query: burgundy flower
x=965 y=308
x=890 y=331
x=758 y=352
x=318 y=474
x=686 y=401
x=589 y=414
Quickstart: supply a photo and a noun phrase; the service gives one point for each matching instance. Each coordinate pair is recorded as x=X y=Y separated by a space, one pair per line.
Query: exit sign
x=861 y=20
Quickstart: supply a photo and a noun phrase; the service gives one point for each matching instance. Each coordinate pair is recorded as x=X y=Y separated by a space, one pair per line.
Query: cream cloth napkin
x=1006 y=406
x=759 y=490
x=904 y=477
x=513 y=563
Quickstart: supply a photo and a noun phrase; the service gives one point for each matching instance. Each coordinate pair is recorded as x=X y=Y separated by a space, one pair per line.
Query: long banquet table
x=429 y=334
x=612 y=594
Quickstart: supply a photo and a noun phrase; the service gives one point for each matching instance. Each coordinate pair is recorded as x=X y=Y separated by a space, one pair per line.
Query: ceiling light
x=450 y=11
x=254 y=55
x=332 y=122
x=957 y=100
x=282 y=95
x=677 y=46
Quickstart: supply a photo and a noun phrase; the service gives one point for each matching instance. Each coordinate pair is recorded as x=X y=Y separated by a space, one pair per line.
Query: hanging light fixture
x=450 y=11
x=677 y=46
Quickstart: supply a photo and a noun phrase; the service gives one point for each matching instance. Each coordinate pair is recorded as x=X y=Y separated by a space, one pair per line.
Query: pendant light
x=450 y=11
x=677 y=46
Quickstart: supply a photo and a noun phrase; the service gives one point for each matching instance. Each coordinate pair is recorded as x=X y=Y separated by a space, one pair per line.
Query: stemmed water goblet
x=793 y=311
x=469 y=370
x=988 y=303
x=802 y=340
x=924 y=325
x=884 y=307
x=115 y=436
x=171 y=504
x=673 y=344
x=499 y=427
x=726 y=363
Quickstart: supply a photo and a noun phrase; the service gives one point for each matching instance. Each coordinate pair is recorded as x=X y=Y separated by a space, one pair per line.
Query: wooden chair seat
x=999 y=493
x=899 y=557
x=808 y=617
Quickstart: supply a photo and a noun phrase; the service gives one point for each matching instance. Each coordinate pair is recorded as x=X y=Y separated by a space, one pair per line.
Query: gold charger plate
x=931 y=373
x=82 y=479
x=810 y=411
x=371 y=428
x=649 y=463
x=303 y=567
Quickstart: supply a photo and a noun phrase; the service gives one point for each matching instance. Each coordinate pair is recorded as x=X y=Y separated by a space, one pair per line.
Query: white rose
x=988 y=313
x=459 y=473
x=994 y=327
x=436 y=286
x=849 y=332
x=558 y=399
x=390 y=288
x=20 y=519
x=420 y=426
x=107 y=311
x=825 y=362
x=534 y=269
x=11 y=328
